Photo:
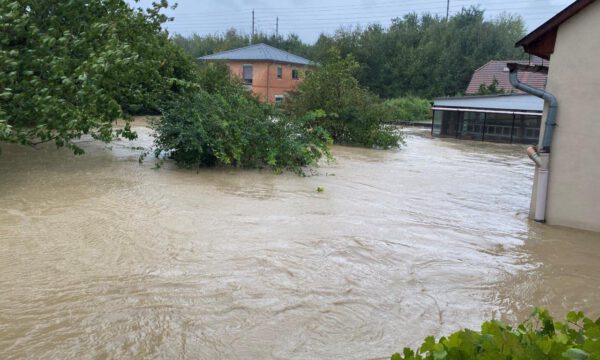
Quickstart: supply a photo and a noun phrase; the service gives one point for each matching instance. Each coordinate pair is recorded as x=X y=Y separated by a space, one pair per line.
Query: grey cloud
x=311 y=17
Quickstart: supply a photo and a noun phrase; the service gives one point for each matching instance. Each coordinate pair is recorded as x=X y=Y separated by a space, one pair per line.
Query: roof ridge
x=483 y=96
x=260 y=51
x=232 y=50
x=508 y=61
x=484 y=65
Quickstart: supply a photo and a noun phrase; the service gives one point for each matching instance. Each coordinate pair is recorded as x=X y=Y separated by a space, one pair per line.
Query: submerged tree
x=224 y=124
x=353 y=115
x=69 y=68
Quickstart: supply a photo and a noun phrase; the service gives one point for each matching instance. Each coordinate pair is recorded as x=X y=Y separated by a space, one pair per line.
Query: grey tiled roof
x=259 y=52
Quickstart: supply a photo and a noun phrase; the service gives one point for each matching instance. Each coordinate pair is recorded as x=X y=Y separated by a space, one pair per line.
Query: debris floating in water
x=320 y=189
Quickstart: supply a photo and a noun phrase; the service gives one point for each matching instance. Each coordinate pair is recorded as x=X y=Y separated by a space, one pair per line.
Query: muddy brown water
x=104 y=258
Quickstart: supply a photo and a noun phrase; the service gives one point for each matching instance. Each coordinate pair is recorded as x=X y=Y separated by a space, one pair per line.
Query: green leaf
x=575 y=354
x=574 y=317
x=545 y=345
x=428 y=345
x=440 y=354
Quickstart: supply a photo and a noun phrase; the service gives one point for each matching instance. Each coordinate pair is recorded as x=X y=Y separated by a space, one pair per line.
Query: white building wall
x=574 y=78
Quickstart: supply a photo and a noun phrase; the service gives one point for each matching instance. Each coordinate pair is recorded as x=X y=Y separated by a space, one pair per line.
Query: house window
x=248 y=74
x=295 y=74
x=278 y=100
x=279 y=72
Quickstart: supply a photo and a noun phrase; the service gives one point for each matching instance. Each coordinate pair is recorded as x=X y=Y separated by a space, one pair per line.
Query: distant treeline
x=419 y=55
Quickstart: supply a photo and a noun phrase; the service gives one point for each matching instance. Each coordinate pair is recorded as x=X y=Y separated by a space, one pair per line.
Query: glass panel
x=279 y=72
x=498 y=127
x=471 y=125
x=527 y=129
x=437 y=122
x=248 y=74
x=450 y=123
x=487 y=126
x=278 y=100
x=445 y=123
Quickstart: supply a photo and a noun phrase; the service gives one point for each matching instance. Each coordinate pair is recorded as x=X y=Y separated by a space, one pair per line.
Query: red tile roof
x=497 y=69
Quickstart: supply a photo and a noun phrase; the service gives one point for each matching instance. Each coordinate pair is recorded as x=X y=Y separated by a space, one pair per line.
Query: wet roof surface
x=259 y=52
x=499 y=102
x=496 y=69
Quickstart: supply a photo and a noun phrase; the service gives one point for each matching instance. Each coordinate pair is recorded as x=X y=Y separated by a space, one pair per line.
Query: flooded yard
x=102 y=257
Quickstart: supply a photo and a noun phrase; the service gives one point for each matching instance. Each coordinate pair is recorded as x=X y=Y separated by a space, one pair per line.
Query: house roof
x=259 y=52
x=496 y=69
x=508 y=104
x=541 y=41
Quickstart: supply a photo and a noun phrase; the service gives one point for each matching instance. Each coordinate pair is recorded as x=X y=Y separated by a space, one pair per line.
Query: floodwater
x=102 y=257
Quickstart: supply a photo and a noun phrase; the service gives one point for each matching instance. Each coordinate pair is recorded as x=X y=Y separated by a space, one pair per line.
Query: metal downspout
x=550 y=100
x=541 y=159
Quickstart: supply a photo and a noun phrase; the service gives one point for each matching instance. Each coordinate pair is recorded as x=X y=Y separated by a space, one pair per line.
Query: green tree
x=197 y=45
x=69 y=68
x=419 y=54
x=425 y=55
x=409 y=108
x=354 y=115
x=224 y=124
x=490 y=89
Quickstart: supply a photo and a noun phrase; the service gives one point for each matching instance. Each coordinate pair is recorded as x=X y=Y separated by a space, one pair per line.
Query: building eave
x=258 y=52
x=485 y=110
x=540 y=42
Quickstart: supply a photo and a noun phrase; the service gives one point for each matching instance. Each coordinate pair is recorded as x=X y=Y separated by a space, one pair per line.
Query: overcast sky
x=308 y=18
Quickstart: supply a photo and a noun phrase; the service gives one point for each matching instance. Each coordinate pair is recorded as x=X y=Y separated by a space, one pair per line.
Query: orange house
x=268 y=71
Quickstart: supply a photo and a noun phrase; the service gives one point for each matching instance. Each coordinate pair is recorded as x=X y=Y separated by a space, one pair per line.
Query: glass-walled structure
x=500 y=118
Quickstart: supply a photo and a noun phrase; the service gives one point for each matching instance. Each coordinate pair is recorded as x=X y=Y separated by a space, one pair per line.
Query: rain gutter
x=540 y=158
x=549 y=98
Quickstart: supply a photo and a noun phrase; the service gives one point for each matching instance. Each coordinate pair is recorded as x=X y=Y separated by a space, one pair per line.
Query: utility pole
x=252 y=38
x=447 y=10
x=277 y=28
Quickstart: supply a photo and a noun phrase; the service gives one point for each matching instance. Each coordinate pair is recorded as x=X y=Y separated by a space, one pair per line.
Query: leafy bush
x=491 y=89
x=224 y=124
x=540 y=337
x=409 y=108
x=354 y=116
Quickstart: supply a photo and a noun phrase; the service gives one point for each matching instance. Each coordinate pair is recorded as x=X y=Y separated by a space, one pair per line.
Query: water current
x=102 y=257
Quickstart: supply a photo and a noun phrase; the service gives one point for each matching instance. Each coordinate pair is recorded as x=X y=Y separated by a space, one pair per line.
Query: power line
x=364 y=15
x=318 y=21
x=328 y=19
x=379 y=13
x=394 y=4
